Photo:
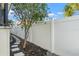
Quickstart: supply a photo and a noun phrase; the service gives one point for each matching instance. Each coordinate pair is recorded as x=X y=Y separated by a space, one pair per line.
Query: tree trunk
x=26 y=37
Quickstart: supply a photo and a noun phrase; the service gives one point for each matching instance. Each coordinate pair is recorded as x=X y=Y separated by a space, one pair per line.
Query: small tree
x=29 y=14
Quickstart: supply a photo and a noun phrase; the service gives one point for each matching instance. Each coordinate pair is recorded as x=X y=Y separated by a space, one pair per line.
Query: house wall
x=4 y=41
x=66 y=36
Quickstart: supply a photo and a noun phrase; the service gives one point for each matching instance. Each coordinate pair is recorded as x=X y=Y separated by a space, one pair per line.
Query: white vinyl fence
x=17 y=30
x=60 y=36
x=66 y=36
x=40 y=34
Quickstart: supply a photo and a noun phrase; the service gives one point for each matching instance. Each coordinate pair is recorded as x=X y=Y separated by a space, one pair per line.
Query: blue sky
x=56 y=10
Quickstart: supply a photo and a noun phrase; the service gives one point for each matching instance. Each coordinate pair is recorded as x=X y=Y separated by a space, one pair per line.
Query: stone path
x=14 y=49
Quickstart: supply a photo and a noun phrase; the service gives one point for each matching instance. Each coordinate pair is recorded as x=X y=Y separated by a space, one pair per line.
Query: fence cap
x=67 y=19
x=43 y=22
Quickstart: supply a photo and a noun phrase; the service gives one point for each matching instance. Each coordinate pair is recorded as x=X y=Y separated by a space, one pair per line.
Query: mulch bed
x=32 y=50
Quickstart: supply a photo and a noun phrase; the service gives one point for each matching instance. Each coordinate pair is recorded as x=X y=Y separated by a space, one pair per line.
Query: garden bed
x=32 y=50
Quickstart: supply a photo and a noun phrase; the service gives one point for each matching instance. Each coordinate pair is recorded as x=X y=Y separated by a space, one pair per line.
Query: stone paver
x=14 y=46
x=19 y=54
x=15 y=49
x=17 y=43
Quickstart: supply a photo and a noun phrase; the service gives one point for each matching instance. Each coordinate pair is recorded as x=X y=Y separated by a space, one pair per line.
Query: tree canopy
x=30 y=13
x=70 y=9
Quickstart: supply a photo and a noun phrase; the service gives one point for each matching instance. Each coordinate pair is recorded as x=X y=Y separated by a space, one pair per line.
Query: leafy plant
x=70 y=8
x=29 y=14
